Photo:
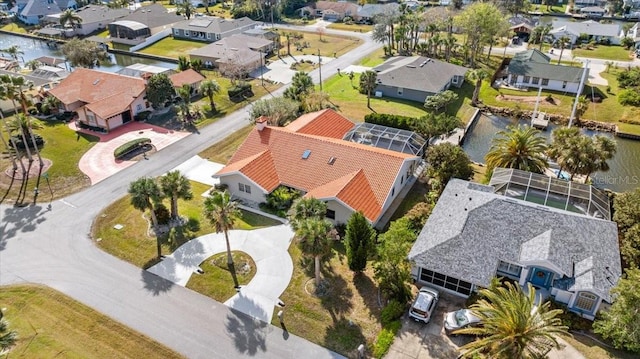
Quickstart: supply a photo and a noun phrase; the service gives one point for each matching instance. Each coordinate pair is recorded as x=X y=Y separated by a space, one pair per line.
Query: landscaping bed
x=216 y=282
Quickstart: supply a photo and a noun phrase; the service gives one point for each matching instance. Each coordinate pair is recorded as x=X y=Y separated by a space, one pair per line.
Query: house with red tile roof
x=102 y=100
x=187 y=77
x=309 y=155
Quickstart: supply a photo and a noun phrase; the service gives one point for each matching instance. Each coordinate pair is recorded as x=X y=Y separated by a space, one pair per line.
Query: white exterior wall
x=554 y=85
x=114 y=121
x=561 y=296
x=257 y=194
x=139 y=101
x=402 y=176
x=91 y=27
x=343 y=213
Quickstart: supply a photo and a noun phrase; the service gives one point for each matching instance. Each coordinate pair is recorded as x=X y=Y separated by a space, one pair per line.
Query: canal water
x=624 y=173
x=33 y=49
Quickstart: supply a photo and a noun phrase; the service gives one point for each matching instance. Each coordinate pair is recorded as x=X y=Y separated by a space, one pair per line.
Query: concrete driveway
x=279 y=69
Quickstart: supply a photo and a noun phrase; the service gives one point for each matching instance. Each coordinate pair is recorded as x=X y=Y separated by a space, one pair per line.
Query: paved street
x=53 y=247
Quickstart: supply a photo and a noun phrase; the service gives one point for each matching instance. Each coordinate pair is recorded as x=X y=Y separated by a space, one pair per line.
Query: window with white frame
x=241 y=187
x=454 y=80
x=535 y=80
x=545 y=82
x=209 y=36
x=91 y=118
x=586 y=301
x=509 y=269
x=526 y=79
x=400 y=90
x=244 y=188
x=176 y=32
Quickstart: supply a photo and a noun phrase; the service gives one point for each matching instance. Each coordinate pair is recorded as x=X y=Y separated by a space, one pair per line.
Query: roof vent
x=306 y=154
x=332 y=160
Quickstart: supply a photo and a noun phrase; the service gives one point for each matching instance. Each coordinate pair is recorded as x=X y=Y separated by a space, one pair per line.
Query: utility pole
x=262 y=69
x=320 y=68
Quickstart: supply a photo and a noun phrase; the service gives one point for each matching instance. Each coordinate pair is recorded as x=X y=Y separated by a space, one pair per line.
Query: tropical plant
x=627 y=215
x=209 y=88
x=476 y=77
x=197 y=65
x=314 y=238
x=176 y=186
x=145 y=194
x=563 y=42
x=183 y=62
x=301 y=85
x=581 y=107
x=84 y=53
x=184 y=92
x=359 y=241
x=305 y=208
x=368 y=83
x=514 y=326
x=7 y=337
x=32 y=64
x=50 y=104
x=580 y=154
x=159 y=89
x=186 y=8
x=278 y=110
x=70 y=17
x=13 y=51
x=448 y=161
x=393 y=270
x=519 y=147
x=222 y=212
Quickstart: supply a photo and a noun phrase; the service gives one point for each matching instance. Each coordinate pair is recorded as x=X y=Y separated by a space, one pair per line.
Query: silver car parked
x=424 y=304
x=459 y=319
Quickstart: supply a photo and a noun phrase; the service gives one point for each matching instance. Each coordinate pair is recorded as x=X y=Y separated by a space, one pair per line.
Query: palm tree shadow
x=8 y=188
x=368 y=290
x=155 y=284
x=19 y=220
x=337 y=300
x=249 y=334
x=347 y=335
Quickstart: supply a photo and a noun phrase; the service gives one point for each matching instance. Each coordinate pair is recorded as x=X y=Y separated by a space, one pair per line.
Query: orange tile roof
x=186 y=77
x=111 y=106
x=91 y=86
x=326 y=123
x=354 y=177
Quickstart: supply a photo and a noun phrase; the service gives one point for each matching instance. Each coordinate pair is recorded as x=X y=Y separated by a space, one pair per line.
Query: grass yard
x=222 y=151
x=132 y=243
x=350 y=27
x=64 y=148
x=329 y=45
x=217 y=282
x=594 y=350
x=611 y=52
x=174 y=48
x=52 y=325
x=373 y=59
x=346 y=316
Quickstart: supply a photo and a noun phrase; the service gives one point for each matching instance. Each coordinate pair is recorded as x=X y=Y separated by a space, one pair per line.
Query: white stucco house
x=533 y=69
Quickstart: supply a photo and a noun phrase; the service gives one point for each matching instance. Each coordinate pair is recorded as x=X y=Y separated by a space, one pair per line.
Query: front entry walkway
x=266 y=246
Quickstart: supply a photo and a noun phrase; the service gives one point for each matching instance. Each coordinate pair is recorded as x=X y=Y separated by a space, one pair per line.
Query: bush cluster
x=389 y=120
x=130 y=146
x=239 y=90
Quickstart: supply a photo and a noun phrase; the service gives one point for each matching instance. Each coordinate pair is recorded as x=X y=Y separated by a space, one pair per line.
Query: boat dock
x=540 y=121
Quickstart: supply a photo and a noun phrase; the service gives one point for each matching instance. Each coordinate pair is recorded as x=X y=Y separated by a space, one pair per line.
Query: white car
x=422 y=308
x=459 y=319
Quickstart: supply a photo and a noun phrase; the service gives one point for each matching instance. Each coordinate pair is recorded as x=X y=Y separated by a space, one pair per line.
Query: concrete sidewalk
x=200 y=170
x=266 y=246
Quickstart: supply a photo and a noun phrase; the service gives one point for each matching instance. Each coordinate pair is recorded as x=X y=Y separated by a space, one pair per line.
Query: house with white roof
x=210 y=28
x=611 y=33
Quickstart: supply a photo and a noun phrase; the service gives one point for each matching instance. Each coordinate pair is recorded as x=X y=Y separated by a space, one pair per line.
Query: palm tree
x=183 y=62
x=50 y=104
x=145 y=193
x=305 y=208
x=603 y=149
x=176 y=186
x=559 y=149
x=7 y=338
x=185 y=94
x=544 y=31
x=313 y=235
x=564 y=41
x=197 y=65
x=581 y=107
x=514 y=326
x=476 y=76
x=368 y=81
x=32 y=64
x=210 y=88
x=13 y=51
x=520 y=147
x=222 y=212
x=70 y=17
x=186 y=8
x=13 y=150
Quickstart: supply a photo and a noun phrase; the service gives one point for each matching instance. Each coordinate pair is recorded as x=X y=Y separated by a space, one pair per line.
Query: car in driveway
x=424 y=304
x=459 y=319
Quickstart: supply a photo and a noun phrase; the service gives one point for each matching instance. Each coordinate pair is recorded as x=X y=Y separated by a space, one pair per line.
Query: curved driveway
x=54 y=248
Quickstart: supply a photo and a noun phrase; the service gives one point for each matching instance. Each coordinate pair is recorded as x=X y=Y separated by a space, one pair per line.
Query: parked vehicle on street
x=459 y=319
x=424 y=305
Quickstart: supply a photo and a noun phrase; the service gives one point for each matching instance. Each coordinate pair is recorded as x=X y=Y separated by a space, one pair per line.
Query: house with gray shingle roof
x=210 y=29
x=534 y=69
x=33 y=11
x=596 y=31
x=564 y=245
x=143 y=22
x=94 y=18
x=416 y=77
x=237 y=52
x=367 y=12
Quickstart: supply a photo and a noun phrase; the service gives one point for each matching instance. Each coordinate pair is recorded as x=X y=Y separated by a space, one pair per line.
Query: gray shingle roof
x=471 y=229
x=536 y=64
x=371 y=10
x=100 y=13
x=152 y=16
x=40 y=7
x=417 y=73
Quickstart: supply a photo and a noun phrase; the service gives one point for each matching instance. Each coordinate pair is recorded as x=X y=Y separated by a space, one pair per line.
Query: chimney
x=261 y=122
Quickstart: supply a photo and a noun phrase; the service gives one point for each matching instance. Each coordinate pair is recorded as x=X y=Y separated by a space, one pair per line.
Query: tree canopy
x=84 y=53
x=479 y=22
x=448 y=161
x=159 y=90
x=359 y=240
x=393 y=270
x=279 y=110
x=519 y=147
x=627 y=215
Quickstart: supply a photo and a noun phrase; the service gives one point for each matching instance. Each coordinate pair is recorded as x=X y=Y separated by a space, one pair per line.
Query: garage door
x=444 y=281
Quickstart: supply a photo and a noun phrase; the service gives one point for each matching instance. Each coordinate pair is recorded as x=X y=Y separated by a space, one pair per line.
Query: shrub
x=21 y=145
x=389 y=120
x=571 y=319
x=162 y=214
x=130 y=146
x=385 y=339
x=391 y=312
x=239 y=91
x=142 y=116
x=629 y=97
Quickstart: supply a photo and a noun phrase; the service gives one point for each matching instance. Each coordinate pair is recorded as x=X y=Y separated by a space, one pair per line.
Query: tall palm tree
x=564 y=41
x=305 y=208
x=222 y=212
x=13 y=150
x=544 y=31
x=581 y=107
x=604 y=149
x=13 y=51
x=185 y=94
x=7 y=338
x=145 y=193
x=520 y=147
x=183 y=62
x=368 y=81
x=476 y=77
x=210 y=88
x=186 y=8
x=559 y=149
x=514 y=326
x=313 y=235
x=50 y=104
x=71 y=18
x=176 y=186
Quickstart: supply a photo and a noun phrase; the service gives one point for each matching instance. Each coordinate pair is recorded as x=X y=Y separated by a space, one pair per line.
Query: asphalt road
x=53 y=247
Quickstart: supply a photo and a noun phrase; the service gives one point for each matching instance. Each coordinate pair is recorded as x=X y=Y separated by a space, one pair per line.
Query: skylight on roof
x=306 y=154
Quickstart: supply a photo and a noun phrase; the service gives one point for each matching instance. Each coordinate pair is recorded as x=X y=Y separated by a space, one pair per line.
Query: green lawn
x=343 y=318
x=350 y=27
x=52 y=325
x=311 y=42
x=594 y=350
x=222 y=151
x=611 y=52
x=64 y=148
x=174 y=48
x=216 y=282
x=373 y=59
x=133 y=245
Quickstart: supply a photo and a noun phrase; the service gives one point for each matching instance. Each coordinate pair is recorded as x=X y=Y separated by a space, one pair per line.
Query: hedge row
x=130 y=146
x=385 y=119
x=239 y=90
